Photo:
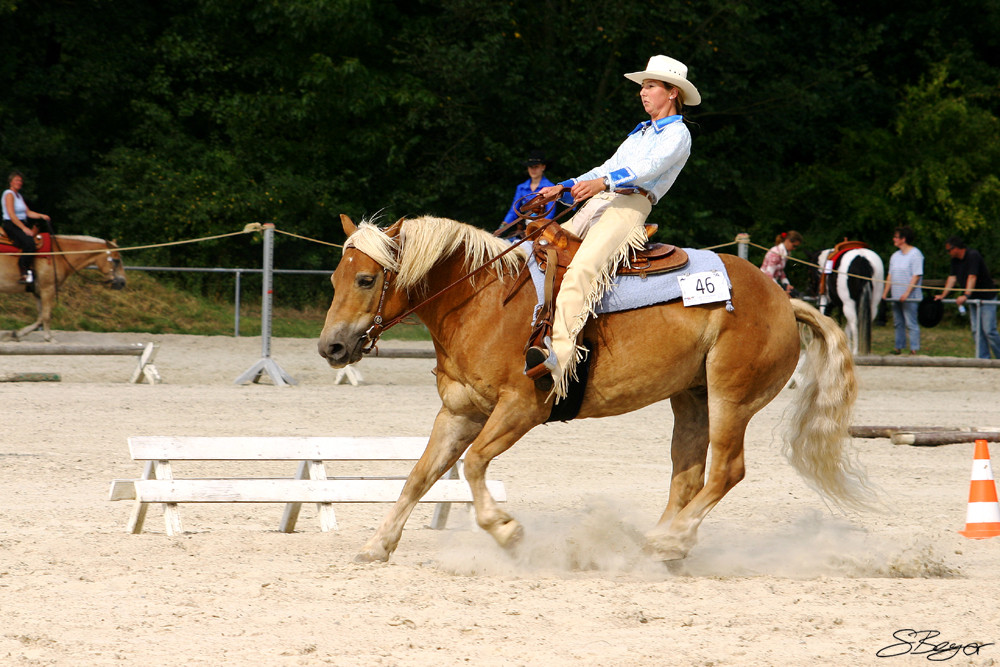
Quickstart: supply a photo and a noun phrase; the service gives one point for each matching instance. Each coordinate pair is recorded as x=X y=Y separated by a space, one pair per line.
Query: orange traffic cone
x=983 y=518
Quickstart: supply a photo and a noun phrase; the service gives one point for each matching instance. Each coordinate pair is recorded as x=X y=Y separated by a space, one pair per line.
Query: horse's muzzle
x=117 y=283
x=339 y=351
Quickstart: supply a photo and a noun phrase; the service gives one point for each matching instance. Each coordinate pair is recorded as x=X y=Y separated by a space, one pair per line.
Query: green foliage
x=932 y=169
x=157 y=121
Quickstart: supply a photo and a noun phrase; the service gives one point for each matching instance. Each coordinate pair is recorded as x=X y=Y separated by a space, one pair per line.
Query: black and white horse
x=847 y=274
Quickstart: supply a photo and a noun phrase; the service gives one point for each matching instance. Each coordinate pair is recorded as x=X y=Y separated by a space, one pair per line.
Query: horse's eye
x=365 y=281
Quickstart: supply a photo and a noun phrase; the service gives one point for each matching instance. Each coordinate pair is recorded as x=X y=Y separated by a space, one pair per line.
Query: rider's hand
x=551 y=191
x=587 y=189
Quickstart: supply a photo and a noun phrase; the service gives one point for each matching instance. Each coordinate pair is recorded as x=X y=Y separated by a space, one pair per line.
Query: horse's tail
x=818 y=440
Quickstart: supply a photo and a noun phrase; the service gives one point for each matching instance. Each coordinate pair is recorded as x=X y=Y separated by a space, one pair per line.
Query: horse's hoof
x=666 y=548
x=668 y=556
x=509 y=535
x=371 y=557
x=675 y=567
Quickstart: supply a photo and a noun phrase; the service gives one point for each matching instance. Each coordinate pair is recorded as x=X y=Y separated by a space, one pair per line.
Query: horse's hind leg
x=673 y=540
x=44 y=315
x=688 y=451
x=851 y=327
x=21 y=333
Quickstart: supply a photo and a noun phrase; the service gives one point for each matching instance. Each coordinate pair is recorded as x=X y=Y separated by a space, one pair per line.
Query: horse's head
x=110 y=265
x=363 y=293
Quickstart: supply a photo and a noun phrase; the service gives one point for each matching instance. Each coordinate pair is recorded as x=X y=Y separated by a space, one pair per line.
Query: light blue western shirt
x=651 y=157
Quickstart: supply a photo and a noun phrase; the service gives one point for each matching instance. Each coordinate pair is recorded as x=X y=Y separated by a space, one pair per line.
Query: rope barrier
x=255 y=227
x=249 y=229
x=306 y=238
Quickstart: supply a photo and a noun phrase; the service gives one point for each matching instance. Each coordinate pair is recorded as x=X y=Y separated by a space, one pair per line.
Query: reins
x=376 y=330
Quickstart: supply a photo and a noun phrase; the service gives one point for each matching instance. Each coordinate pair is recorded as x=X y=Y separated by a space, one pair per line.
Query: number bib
x=705 y=287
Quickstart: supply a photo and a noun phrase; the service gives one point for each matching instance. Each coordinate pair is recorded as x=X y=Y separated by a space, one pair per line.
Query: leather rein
x=535 y=207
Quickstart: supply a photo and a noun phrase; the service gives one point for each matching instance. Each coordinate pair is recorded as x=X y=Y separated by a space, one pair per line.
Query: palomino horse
x=718 y=369
x=51 y=271
x=856 y=269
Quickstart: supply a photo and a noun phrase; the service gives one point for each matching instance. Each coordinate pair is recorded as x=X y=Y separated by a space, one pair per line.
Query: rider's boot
x=540 y=365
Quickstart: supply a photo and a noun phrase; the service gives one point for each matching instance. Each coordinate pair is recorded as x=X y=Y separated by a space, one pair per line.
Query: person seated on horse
x=621 y=194
x=536 y=164
x=15 y=215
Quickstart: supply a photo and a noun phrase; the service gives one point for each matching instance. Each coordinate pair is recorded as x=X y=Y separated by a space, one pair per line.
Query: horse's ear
x=349 y=226
x=395 y=229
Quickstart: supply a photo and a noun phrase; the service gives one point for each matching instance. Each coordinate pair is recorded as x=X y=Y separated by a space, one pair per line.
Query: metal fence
x=238 y=273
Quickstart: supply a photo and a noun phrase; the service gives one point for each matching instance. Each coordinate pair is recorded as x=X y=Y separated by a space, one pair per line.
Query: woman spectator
x=776 y=257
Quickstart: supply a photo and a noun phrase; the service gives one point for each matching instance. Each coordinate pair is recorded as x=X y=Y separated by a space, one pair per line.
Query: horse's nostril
x=332 y=351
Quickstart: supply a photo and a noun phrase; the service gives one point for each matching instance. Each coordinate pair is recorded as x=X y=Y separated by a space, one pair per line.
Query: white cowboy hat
x=674 y=72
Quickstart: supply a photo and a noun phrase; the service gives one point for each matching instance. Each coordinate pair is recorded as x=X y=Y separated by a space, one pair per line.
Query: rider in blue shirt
x=536 y=165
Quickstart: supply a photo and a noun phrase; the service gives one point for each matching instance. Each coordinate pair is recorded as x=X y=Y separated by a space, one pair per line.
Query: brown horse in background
x=52 y=270
x=718 y=369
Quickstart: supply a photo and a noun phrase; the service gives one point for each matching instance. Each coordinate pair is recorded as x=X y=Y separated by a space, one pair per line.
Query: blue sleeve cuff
x=620 y=177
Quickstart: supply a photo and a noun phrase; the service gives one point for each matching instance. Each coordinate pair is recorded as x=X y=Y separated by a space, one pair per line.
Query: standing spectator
x=969 y=269
x=906 y=273
x=536 y=164
x=776 y=257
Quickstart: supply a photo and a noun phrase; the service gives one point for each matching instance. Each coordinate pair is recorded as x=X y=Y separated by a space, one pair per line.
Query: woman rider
x=611 y=223
x=15 y=216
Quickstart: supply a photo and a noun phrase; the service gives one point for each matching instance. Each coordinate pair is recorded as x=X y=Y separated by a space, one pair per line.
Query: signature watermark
x=925 y=643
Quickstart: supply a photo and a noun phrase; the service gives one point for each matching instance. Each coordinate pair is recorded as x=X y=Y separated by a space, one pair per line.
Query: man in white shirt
x=906 y=273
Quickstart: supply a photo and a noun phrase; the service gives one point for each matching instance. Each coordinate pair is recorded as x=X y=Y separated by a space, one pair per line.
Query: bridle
x=115 y=262
x=376 y=330
x=532 y=209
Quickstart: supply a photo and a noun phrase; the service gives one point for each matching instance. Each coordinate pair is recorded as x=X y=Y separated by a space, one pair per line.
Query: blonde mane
x=78 y=237
x=423 y=242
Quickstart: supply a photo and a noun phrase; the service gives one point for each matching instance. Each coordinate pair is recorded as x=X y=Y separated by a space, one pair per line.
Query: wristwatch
x=608 y=185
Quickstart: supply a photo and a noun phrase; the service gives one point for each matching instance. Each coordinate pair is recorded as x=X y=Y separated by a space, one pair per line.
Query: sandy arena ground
x=777 y=578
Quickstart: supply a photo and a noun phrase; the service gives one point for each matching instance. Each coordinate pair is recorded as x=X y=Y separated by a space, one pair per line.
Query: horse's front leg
x=449 y=438
x=507 y=424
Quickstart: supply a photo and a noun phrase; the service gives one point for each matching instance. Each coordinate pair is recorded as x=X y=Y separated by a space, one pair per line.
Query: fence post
x=976 y=311
x=239 y=290
x=743 y=245
x=266 y=364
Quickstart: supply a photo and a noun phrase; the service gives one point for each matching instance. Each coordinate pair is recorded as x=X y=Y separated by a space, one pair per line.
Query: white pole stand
x=266 y=364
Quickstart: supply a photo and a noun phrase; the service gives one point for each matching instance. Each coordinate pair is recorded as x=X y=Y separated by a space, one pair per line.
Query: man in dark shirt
x=969 y=270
